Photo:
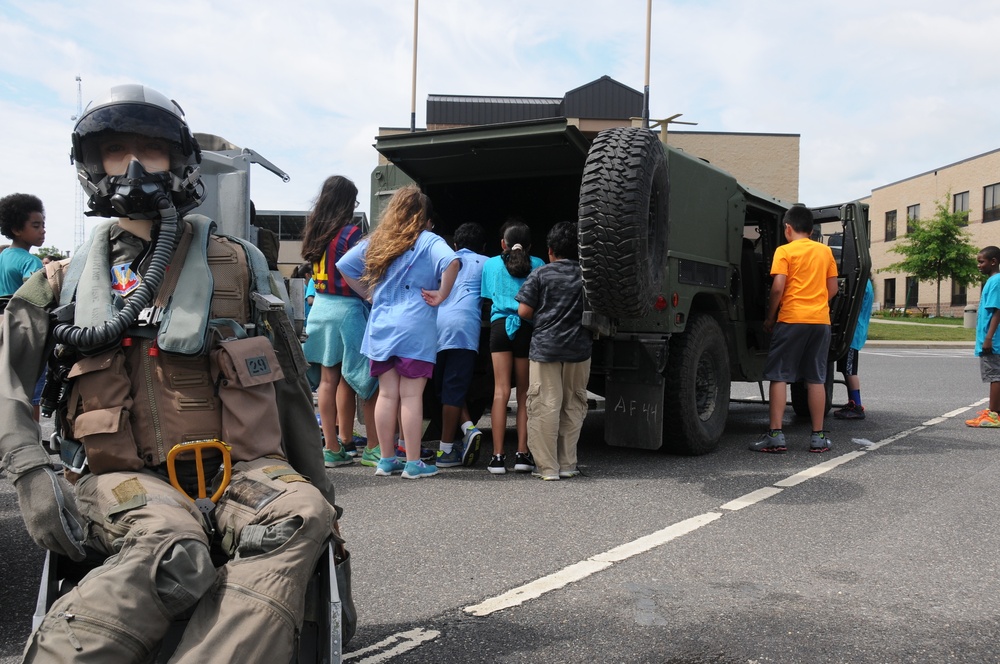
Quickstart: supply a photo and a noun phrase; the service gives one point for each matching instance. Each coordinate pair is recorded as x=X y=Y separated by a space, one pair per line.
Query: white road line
x=894 y=438
x=602 y=561
x=538 y=587
x=751 y=498
x=592 y=565
x=651 y=541
x=959 y=411
x=382 y=651
x=819 y=469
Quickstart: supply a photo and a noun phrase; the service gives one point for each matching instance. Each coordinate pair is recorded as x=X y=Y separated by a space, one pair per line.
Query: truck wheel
x=800 y=397
x=623 y=221
x=696 y=401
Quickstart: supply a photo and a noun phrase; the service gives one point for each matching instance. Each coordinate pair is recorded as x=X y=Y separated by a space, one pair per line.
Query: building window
x=958 y=297
x=960 y=203
x=912 y=288
x=890 y=293
x=890 y=225
x=991 y=202
x=912 y=214
x=288 y=225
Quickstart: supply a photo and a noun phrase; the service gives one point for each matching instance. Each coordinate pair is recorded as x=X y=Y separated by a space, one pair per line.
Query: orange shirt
x=807 y=265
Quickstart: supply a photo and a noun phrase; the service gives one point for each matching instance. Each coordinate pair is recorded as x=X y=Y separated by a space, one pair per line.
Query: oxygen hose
x=88 y=340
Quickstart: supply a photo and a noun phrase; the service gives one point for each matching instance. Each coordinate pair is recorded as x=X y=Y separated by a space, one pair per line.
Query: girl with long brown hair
x=336 y=324
x=406 y=271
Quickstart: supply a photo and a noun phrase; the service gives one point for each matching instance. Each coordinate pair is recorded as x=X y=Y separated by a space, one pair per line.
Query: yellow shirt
x=807 y=265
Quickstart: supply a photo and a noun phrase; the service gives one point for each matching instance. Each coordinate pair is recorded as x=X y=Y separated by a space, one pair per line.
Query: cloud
x=877 y=91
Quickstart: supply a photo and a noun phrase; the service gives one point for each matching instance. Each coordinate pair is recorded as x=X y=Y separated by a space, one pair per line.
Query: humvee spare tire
x=697 y=388
x=623 y=221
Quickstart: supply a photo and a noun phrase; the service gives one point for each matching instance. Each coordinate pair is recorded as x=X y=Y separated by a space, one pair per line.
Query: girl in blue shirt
x=510 y=339
x=406 y=271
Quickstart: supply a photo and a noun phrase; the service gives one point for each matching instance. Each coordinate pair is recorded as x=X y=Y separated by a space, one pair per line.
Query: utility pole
x=413 y=85
x=645 y=86
x=78 y=230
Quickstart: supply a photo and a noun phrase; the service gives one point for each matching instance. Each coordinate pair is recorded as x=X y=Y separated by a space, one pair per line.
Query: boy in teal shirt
x=22 y=219
x=987 y=321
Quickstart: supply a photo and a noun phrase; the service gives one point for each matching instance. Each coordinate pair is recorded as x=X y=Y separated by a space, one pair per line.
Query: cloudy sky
x=878 y=89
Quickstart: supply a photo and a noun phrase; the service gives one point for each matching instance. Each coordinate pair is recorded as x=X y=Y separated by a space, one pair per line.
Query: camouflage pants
x=274 y=525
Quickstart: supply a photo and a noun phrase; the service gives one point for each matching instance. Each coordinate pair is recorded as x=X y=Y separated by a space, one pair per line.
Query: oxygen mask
x=138 y=193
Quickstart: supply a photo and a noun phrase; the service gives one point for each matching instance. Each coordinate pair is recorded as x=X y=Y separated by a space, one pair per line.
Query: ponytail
x=517 y=236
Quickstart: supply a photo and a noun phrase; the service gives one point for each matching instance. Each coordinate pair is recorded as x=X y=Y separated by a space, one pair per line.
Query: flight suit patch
x=252 y=494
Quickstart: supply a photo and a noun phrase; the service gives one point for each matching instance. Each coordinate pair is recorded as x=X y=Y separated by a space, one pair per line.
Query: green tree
x=55 y=253
x=938 y=248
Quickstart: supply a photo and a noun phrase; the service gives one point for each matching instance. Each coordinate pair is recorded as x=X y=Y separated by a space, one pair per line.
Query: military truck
x=675 y=252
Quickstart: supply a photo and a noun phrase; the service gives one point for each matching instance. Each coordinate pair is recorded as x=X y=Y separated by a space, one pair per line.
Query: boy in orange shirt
x=804 y=281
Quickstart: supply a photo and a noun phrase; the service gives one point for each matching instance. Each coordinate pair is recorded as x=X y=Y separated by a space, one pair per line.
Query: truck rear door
x=848 y=224
x=487 y=172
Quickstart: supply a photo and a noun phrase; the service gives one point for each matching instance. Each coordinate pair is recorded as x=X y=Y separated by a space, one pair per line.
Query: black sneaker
x=851 y=411
x=523 y=462
x=498 y=464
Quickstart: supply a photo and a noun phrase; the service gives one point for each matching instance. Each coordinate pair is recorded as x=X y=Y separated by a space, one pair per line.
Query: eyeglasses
x=356 y=204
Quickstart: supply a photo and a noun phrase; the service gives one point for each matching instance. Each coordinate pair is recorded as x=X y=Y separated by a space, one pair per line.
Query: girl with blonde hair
x=406 y=271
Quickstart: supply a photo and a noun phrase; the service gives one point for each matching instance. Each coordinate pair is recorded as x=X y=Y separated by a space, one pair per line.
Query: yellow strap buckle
x=203 y=501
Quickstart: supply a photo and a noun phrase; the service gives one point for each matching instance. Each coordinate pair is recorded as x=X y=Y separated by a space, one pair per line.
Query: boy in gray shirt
x=552 y=297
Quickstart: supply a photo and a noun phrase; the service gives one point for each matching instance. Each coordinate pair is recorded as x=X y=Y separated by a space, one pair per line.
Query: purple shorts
x=404 y=367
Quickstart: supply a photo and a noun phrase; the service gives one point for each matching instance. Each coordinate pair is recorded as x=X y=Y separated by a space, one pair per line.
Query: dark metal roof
x=604 y=98
x=469 y=110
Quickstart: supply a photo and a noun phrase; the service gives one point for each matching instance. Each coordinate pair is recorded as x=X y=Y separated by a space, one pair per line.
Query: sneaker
x=348 y=447
x=498 y=464
x=818 y=442
x=416 y=469
x=568 y=473
x=370 y=457
x=339 y=458
x=388 y=467
x=471 y=441
x=985 y=419
x=772 y=441
x=358 y=439
x=851 y=411
x=453 y=458
x=427 y=455
x=523 y=463
x=547 y=478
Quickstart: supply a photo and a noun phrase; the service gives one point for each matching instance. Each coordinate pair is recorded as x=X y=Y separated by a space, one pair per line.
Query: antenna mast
x=78 y=230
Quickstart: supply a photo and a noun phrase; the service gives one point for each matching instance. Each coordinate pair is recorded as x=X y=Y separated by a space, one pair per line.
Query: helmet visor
x=125 y=118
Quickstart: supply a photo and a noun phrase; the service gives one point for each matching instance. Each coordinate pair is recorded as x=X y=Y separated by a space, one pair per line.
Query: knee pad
x=184 y=574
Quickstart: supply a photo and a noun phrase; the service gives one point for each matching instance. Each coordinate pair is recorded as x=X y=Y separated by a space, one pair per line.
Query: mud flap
x=633 y=407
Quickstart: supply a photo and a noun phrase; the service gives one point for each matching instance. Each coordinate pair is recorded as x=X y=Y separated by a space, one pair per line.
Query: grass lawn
x=938 y=331
x=944 y=320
